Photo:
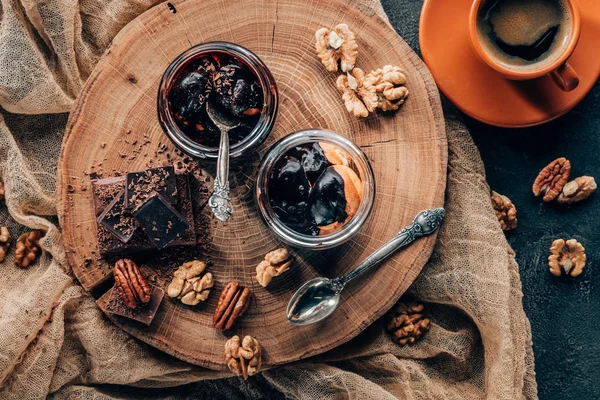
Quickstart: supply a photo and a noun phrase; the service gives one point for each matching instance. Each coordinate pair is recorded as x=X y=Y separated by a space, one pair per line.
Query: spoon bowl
x=314 y=301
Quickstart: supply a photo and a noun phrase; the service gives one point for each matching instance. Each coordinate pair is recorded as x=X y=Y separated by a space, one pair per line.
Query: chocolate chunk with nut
x=407 y=323
x=189 y=284
x=5 y=240
x=274 y=264
x=141 y=185
x=160 y=221
x=389 y=85
x=577 y=190
x=233 y=303
x=505 y=210
x=566 y=256
x=28 y=248
x=144 y=314
x=130 y=284
x=359 y=99
x=243 y=358
x=336 y=46
x=551 y=180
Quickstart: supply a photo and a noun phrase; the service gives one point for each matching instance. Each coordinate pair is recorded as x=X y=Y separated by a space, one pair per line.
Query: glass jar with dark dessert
x=315 y=189
x=227 y=76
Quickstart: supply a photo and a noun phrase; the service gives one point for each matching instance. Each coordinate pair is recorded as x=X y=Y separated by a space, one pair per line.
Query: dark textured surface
x=564 y=313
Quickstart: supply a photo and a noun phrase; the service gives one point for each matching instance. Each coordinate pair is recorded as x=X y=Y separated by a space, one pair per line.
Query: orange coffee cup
x=559 y=69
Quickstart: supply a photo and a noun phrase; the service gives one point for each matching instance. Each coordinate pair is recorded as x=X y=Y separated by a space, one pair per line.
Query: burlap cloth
x=55 y=341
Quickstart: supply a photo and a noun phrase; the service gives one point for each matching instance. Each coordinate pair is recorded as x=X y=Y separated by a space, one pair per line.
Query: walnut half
x=337 y=46
x=389 y=85
x=5 y=240
x=189 y=285
x=274 y=264
x=27 y=248
x=358 y=99
x=568 y=256
x=577 y=190
x=505 y=210
x=407 y=323
x=551 y=180
x=243 y=358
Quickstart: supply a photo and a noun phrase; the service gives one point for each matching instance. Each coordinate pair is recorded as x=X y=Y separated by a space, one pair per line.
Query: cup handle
x=565 y=77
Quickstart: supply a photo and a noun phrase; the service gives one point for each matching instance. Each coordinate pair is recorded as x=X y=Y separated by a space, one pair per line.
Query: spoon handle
x=425 y=222
x=219 y=201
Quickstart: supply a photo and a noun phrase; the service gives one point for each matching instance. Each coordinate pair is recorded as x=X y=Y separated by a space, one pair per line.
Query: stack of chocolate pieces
x=143 y=211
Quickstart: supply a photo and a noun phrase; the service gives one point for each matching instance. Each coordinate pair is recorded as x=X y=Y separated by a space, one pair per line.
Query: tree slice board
x=408 y=151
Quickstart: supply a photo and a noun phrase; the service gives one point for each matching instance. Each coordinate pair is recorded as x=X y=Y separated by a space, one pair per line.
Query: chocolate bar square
x=117 y=220
x=160 y=221
x=141 y=185
x=144 y=314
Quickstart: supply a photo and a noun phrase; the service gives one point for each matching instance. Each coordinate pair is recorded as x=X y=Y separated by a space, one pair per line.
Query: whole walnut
x=568 y=256
x=5 y=240
x=274 y=264
x=243 y=358
x=2 y=191
x=551 y=180
x=407 y=323
x=389 y=85
x=337 y=46
x=577 y=190
x=358 y=99
x=28 y=248
x=505 y=210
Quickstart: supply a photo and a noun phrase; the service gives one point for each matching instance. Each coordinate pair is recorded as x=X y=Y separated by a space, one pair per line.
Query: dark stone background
x=564 y=312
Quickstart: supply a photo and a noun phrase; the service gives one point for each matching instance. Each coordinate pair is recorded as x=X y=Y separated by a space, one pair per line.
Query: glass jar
x=265 y=123
x=286 y=233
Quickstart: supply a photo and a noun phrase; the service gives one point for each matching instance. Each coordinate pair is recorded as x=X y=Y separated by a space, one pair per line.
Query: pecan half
x=243 y=358
x=577 y=190
x=407 y=323
x=131 y=284
x=27 y=248
x=568 y=256
x=552 y=179
x=233 y=303
x=505 y=210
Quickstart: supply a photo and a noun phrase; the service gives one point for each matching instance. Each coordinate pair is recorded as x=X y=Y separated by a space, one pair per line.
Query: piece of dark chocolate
x=141 y=185
x=117 y=220
x=160 y=221
x=144 y=314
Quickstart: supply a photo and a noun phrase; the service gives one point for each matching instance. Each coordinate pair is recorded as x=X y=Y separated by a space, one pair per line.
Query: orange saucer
x=481 y=92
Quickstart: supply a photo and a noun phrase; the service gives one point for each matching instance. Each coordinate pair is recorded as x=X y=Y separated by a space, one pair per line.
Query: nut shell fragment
x=551 y=180
x=243 y=358
x=505 y=210
x=27 y=248
x=566 y=256
x=336 y=46
x=577 y=190
x=407 y=323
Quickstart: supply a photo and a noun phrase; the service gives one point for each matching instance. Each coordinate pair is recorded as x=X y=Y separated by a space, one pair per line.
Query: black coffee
x=522 y=33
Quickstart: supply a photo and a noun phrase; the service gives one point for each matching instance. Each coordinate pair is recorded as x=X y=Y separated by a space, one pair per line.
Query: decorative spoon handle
x=424 y=223
x=219 y=201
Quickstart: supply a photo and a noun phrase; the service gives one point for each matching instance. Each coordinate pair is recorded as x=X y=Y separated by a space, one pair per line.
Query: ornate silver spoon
x=319 y=297
x=219 y=201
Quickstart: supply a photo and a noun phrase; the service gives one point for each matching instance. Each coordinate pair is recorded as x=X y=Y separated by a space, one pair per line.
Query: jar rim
x=261 y=130
x=286 y=233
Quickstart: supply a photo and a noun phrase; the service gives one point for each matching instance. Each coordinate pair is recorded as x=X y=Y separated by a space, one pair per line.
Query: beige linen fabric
x=55 y=341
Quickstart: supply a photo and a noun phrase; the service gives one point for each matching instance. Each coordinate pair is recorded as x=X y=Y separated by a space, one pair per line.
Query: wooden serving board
x=408 y=151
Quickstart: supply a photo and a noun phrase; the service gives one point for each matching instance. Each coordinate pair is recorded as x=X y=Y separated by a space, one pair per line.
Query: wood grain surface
x=408 y=151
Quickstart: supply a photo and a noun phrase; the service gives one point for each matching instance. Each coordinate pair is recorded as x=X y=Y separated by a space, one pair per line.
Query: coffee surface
x=524 y=32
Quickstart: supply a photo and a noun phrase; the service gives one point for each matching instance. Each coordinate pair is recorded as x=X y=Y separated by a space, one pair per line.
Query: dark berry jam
x=314 y=191
x=224 y=80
